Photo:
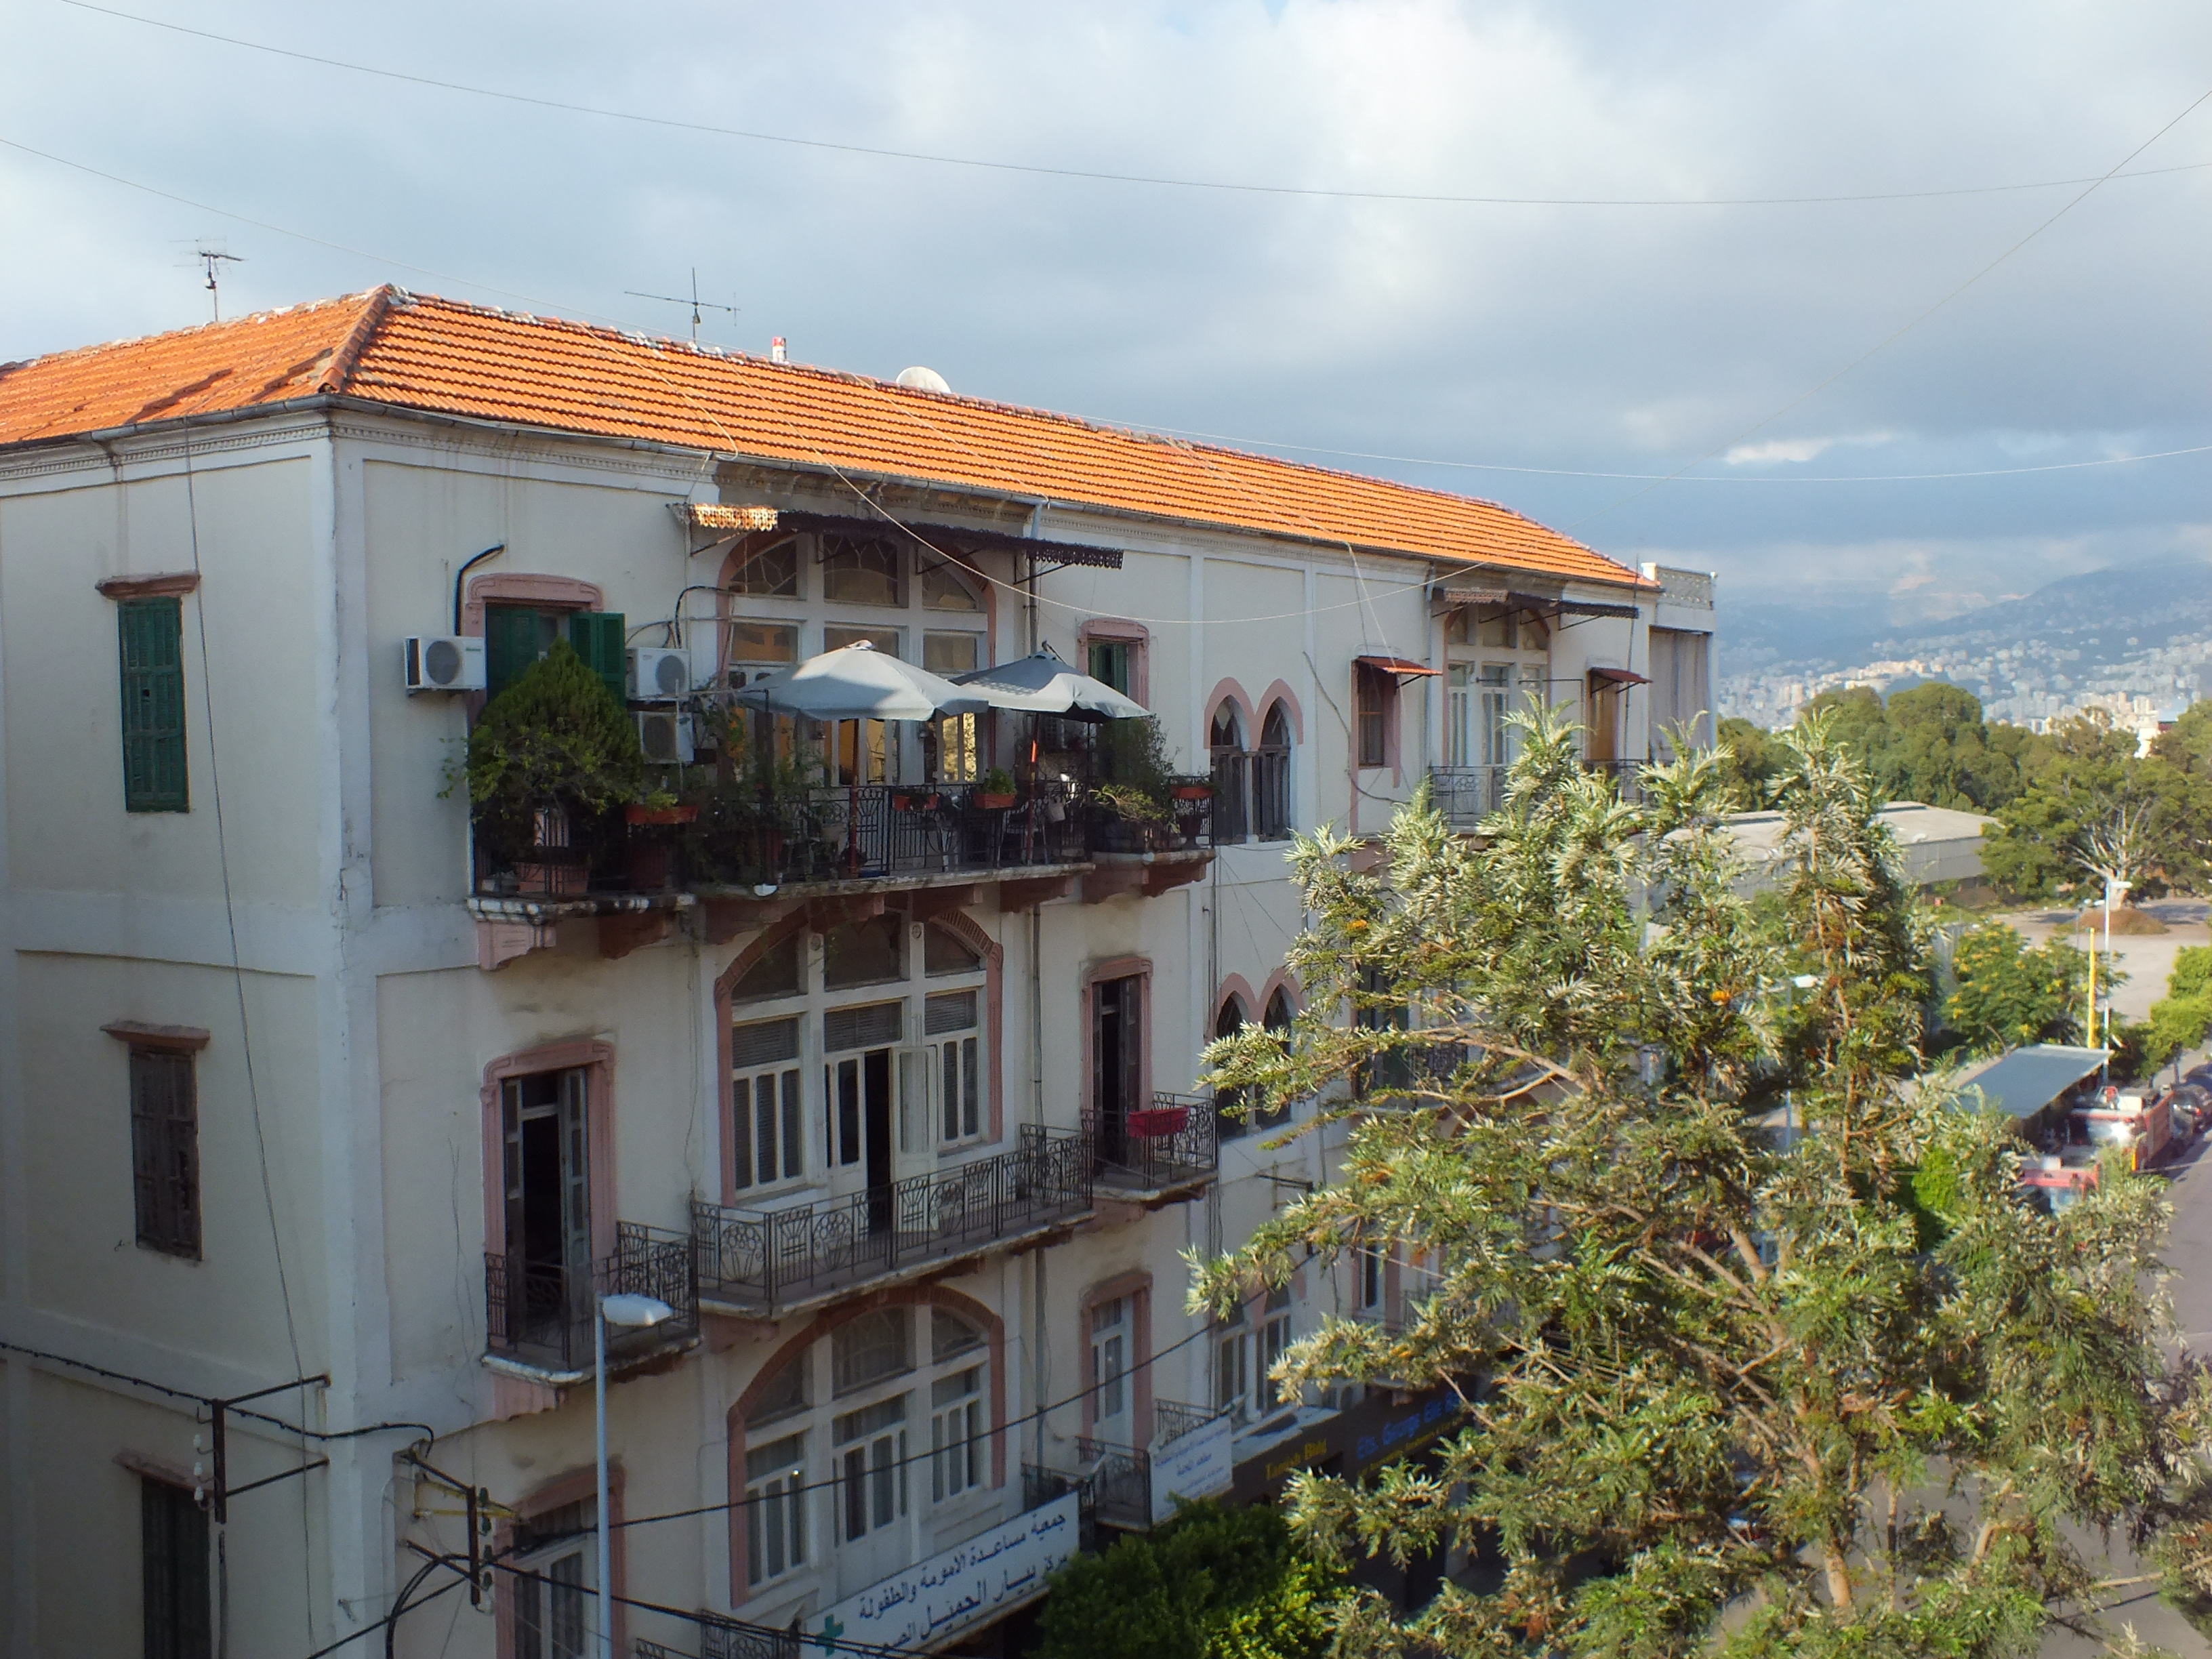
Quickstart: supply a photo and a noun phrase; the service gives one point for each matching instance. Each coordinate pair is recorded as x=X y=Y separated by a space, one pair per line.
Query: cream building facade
x=906 y=1125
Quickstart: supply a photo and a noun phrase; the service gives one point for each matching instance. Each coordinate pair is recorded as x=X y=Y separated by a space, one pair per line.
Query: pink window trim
x=1120 y=968
x=1230 y=691
x=1237 y=987
x=524 y=588
x=915 y=1296
x=1280 y=692
x=1121 y=631
x=597 y=1058
x=1280 y=980
x=573 y=1487
x=724 y=1015
x=1137 y=1285
x=959 y=924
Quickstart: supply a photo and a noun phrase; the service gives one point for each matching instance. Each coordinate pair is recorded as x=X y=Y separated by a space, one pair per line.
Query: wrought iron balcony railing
x=880 y=829
x=1466 y=795
x=541 y=1315
x=1122 y=1478
x=1172 y=1144
x=767 y=1261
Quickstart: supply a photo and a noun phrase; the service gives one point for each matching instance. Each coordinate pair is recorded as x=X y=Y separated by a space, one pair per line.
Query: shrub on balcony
x=555 y=741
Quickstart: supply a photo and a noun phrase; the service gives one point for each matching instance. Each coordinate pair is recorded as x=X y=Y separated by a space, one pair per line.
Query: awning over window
x=1398 y=665
x=704 y=515
x=1619 y=677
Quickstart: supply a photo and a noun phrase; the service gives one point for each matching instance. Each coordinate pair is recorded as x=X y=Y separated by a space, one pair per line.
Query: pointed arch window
x=1231 y=776
x=1271 y=776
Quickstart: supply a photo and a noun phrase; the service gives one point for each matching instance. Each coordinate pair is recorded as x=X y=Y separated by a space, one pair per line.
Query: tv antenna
x=212 y=259
x=694 y=302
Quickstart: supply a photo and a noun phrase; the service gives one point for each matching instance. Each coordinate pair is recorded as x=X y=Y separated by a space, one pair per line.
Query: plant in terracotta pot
x=550 y=756
x=1134 y=799
x=996 y=789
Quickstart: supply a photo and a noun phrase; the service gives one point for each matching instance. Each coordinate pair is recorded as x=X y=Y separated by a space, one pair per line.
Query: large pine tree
x=1855 y=1394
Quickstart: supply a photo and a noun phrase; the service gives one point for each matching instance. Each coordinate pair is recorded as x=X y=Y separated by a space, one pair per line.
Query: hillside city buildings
x=325 y=1125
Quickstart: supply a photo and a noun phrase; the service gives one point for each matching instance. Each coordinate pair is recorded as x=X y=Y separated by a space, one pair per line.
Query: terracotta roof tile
x=439 y=355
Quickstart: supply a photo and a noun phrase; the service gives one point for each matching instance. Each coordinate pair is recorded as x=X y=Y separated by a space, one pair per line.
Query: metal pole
x=606 y=1582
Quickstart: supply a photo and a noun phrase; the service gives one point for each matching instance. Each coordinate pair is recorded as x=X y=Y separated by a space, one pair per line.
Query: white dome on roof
x=923 y=379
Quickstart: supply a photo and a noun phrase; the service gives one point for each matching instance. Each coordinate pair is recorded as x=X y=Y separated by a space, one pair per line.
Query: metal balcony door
x=861 y=1108
x=547 y=1124
x=1117 y=1042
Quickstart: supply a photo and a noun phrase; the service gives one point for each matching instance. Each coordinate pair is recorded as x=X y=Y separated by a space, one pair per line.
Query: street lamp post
x=631 y=1313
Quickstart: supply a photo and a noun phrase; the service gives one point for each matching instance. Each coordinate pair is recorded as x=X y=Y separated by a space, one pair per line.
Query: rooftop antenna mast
x=213 y=259
x=694 y=302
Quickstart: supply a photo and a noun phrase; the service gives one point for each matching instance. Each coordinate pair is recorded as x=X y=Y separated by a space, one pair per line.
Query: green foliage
x=557 y=739
x=1214 y=1583
x=998 y=781
x=1928 y=743
x=2011 y=993
x=1753 y=760
x=2077 y=779
x=1860 y=1390
x=2181 y=1019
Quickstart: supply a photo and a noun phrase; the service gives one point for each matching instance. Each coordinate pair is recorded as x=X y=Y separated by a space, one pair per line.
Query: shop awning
x=1619 y=677
x=1398 y=665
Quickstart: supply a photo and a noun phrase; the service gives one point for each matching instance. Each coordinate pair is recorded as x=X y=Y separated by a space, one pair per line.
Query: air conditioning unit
x=663 y=674
x=444 y=663
x=665 y=737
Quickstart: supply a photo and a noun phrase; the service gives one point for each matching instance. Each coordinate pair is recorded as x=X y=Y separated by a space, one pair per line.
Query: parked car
x=2192 y=1106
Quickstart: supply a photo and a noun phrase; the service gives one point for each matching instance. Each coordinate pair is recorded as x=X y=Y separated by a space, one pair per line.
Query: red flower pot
x=1157 y=1122
x=680 y=814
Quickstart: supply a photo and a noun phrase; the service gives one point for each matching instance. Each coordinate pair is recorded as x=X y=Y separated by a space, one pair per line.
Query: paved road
x=2146 y=959
x=2189 y=1257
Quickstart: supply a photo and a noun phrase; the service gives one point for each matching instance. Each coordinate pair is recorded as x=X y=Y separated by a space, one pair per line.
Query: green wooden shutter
x=512 y=641
x=600 y=640
x=151 y=639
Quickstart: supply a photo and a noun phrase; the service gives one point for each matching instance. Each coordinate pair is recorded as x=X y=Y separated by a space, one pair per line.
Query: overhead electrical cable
x=1087 y=174
x=1906 y=327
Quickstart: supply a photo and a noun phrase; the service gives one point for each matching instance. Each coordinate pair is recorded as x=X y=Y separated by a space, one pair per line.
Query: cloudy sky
x=1447 y=343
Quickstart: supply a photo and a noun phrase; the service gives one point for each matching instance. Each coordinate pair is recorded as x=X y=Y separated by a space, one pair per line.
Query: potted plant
x=1185 y=787
x=549 y=756
x=996 y=790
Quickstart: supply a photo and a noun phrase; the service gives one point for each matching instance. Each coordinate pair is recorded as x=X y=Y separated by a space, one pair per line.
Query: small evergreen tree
x=1859 y=1391
x=1214 y=1583
x=2010 y=992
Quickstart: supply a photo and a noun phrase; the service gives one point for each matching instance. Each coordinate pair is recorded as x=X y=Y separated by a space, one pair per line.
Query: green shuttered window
x=152 y=651
x=516 y=636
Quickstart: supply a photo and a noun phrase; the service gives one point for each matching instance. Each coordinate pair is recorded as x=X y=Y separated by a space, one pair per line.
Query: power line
x=1906 y=327
x=1092 y=175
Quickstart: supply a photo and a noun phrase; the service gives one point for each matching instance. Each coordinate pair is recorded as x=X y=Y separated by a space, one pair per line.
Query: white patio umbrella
x=857 y=682
x=1042 y=683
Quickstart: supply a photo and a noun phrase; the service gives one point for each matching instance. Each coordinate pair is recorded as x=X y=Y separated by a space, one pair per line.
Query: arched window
x=855 y=1059
x=1277 y=1018
x=1231 y=776
x=838 y=1444
x=1229 y=1118
x=1271 y=776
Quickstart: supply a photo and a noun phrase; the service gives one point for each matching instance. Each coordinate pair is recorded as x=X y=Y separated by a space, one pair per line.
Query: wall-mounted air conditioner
x=665 y=737
x=443 y=663
x=660 y=673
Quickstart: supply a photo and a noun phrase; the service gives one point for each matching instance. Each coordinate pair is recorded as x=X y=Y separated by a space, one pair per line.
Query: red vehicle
x=2144 y=1128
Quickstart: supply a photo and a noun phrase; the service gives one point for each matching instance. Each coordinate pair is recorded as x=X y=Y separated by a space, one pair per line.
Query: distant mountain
x=2108 y=616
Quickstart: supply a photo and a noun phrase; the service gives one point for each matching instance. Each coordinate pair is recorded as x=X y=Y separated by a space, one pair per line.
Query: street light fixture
x=634 y=1313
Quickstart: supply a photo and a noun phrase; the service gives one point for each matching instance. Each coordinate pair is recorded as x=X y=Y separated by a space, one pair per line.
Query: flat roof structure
x=2026 y=1080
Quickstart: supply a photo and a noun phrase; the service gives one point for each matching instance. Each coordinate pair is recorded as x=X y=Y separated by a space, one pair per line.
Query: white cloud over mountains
x=1625 y=339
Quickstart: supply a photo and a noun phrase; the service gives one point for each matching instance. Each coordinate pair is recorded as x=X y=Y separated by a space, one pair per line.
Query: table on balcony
x=1170 y=1148
x=768 y=1261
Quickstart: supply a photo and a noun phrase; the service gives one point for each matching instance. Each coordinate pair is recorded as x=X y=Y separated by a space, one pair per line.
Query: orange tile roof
x=419 y=352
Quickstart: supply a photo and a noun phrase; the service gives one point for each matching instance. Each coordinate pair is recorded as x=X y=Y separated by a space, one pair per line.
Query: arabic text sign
x=934 y=1600
x=1195 y=1464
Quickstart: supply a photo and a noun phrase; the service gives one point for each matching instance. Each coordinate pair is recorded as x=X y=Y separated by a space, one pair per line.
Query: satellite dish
x=923 y=379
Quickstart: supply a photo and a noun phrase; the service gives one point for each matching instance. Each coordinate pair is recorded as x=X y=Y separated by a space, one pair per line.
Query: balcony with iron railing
x=538 y=1316
x=1169 y=1151
x=1118 y=1481
x=1466 y=795
x=765 y=1263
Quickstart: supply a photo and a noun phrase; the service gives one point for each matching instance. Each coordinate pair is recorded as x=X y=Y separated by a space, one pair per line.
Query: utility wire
x=1096 y=176
x=1905 y=328
x=209 y=1399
